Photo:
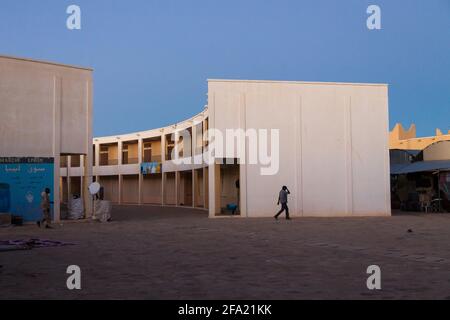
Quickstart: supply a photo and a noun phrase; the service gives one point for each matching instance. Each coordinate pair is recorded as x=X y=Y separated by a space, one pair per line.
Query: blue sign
x=22 y=180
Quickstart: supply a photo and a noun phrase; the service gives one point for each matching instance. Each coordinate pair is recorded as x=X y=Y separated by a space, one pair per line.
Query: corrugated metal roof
x=421 y=166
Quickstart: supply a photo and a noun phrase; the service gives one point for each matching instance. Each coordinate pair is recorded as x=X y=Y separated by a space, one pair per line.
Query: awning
x=421 y=166
x=398 y=167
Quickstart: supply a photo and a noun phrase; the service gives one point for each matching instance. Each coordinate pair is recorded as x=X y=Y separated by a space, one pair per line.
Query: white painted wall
x=33 y=95
x=46 y=111
x=333 y=145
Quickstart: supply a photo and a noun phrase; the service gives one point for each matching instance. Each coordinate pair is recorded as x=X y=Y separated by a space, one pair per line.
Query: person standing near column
x=45 y=206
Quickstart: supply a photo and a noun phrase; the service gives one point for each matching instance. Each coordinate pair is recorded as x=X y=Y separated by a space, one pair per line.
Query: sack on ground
x=102 y=211
x=76 y=210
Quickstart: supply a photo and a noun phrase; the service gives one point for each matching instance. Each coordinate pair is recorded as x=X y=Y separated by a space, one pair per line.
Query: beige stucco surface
x=333 y=152
x=33 y=97
x=46 y=111
x=400 y=138
x=325 y=158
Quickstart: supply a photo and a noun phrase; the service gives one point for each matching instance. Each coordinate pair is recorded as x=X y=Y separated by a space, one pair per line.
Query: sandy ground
x=177 y=253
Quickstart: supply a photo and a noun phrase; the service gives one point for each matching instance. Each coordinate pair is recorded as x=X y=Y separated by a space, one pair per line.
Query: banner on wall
x=444 y=183
x=22 y=180
x=150 y=168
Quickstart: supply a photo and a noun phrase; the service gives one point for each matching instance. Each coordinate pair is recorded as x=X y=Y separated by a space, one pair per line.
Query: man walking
x=45 y=206
x=283 y=199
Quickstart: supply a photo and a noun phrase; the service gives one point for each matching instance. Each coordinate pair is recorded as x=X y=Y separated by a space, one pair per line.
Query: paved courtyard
x=178 y=253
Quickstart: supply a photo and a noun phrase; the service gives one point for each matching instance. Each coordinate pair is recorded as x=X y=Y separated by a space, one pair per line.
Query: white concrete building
x=333 y=147
x=328 y=142
x=45 y=113
x=333 y=153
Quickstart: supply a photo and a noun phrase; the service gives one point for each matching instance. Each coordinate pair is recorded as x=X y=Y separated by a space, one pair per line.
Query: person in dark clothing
x=283 y=199
x=238 y=194
x=45 y=206
x=100 y=194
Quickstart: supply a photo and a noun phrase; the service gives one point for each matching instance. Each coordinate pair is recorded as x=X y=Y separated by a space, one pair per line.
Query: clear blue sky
x=152 y=58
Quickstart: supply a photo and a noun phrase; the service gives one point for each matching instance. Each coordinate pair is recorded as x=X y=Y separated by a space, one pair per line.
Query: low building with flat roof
x=402 y=139
x=330 y=149
x=45 y=113
x=327 y=142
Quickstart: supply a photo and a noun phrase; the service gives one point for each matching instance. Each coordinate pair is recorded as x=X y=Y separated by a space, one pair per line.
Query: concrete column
x=141 y=177
x=97 y=154
x=119 y=152
x=177 y=188
x=88 y=170
x=194 y=141
x=205 y=188
x=82 y=177
x=140 y=149
x=69 y=164
x=56 y=190
x=176 y=145
x=194 y=188
x=97 y=177
x=141 y=181
x=163 y=188
x=119 y=164
x=57 y=94
x=218 y=189
x=86 y=180
x=204 y=130
x=61 y=185
x=215 y=190
x=163 y=174
x=163 y=147
x=120 y=188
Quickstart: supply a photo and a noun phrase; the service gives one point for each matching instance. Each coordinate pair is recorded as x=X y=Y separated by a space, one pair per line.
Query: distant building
x=402 y=139
x=420 y=170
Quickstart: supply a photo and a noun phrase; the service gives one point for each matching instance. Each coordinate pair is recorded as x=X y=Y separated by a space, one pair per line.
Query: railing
x=130 y=160
x=125 y=161
x=152 y=159
x=110 y=162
